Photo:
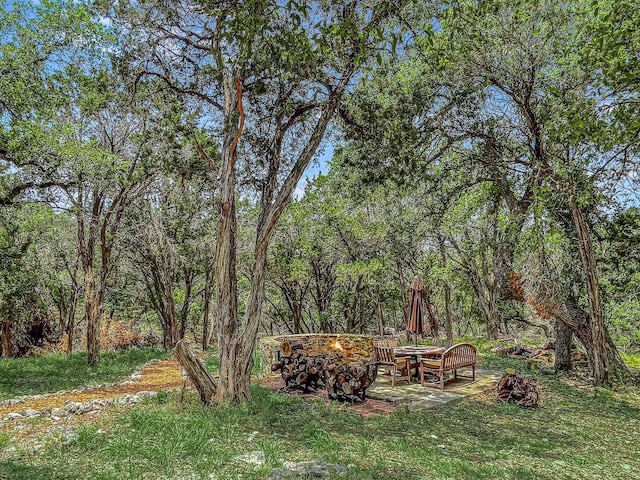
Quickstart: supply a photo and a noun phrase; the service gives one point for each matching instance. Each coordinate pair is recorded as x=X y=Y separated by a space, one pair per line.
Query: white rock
x=30 y=413
x=70 y=438
x=146 y=394
x=254 y=458
x=13 y=416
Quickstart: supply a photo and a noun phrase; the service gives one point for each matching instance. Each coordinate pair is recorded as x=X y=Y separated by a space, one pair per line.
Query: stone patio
x=417 y=397
x=382 y=399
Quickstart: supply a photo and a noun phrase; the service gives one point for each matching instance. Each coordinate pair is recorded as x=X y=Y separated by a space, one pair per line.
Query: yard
x=577 y=432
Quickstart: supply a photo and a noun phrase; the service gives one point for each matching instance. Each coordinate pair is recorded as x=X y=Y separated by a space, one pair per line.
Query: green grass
x=573 y=434
x=51 y=373
x=631 y=359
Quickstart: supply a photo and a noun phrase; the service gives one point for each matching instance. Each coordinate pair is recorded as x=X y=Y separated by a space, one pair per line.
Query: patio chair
x=395 y=364
x=387 y=342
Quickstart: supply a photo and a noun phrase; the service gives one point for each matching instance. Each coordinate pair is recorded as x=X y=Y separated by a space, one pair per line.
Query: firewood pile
x=349 y=381
x=301 y=371
x=343 y=380
x=513 y=388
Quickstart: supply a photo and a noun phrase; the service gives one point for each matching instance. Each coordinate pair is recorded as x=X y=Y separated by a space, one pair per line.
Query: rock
x=13 y=416
x=72 y=407
x=146 y=394
x=54 y=418
x=97 y=404
x=254 y=458
x=312 y=469
x=10 y=450
x=30 y=413
x=70 y=438
x=45 y=412
x=58 y=412
x=37 y=447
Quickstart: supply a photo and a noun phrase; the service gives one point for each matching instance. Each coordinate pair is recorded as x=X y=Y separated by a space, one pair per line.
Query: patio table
x=418 y=352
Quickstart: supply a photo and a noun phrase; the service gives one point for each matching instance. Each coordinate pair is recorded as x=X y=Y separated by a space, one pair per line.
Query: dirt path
x=162 y=375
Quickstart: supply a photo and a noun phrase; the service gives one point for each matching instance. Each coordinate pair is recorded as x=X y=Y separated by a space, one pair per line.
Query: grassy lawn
x=576 y=433
x=51 y=373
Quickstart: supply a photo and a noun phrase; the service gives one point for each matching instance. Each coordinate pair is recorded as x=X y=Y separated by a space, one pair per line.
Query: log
x=196 y=372
x=349 y=381
x=289 y=346
x=301 y=371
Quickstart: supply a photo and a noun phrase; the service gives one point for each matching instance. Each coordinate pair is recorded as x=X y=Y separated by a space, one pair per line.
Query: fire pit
x=344 y=380
x=352 y=347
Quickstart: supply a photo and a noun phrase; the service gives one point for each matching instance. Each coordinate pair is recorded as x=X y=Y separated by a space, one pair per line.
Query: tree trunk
x=197 y=373
x=378 y=310
x=605 y=368
x=447 y=292
x=7 y=344
x=234 y=384
x=425 y=298
x=563 y=347
x=574 y=317
x=488 y=300
x=351 y=314
x=447 y=313
x=206 y=324
x=92 y=315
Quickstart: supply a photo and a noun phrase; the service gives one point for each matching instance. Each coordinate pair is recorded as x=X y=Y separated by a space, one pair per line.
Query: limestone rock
x=312 y=469
x=254 y=458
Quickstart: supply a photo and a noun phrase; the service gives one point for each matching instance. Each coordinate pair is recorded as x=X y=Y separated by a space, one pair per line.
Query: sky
x=318 y=166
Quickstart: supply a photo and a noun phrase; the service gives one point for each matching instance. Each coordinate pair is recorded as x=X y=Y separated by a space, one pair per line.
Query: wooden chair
x=387 y=342
x=403 y=365
x=452 y=359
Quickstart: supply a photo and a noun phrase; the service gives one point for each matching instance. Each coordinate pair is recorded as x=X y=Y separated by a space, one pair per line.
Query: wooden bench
x=455 y=357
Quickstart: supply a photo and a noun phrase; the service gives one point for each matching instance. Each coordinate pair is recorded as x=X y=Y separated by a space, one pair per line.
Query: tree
x=274 y=74
x=497 y=83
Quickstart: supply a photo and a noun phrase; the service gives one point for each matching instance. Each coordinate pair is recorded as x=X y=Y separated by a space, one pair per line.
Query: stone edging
x=77 y=408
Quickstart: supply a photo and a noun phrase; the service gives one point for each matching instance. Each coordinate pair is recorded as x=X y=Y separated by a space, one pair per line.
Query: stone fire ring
x=353 y=347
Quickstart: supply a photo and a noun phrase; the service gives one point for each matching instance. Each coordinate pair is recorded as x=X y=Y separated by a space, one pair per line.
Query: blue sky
x=320 y=165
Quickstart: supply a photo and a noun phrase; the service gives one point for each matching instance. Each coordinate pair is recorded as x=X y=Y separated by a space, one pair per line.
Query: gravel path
x=161 y=375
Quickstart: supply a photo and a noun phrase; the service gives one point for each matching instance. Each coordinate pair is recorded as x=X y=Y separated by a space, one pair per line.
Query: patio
x=382 y=399
x=417 y=397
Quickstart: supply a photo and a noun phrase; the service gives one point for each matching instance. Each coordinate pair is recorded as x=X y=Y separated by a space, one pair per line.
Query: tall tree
x=275 y=74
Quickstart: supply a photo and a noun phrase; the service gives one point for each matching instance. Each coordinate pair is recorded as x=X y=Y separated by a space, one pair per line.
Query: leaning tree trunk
x=572 y=315
x=196 y=372
x=604 y=367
